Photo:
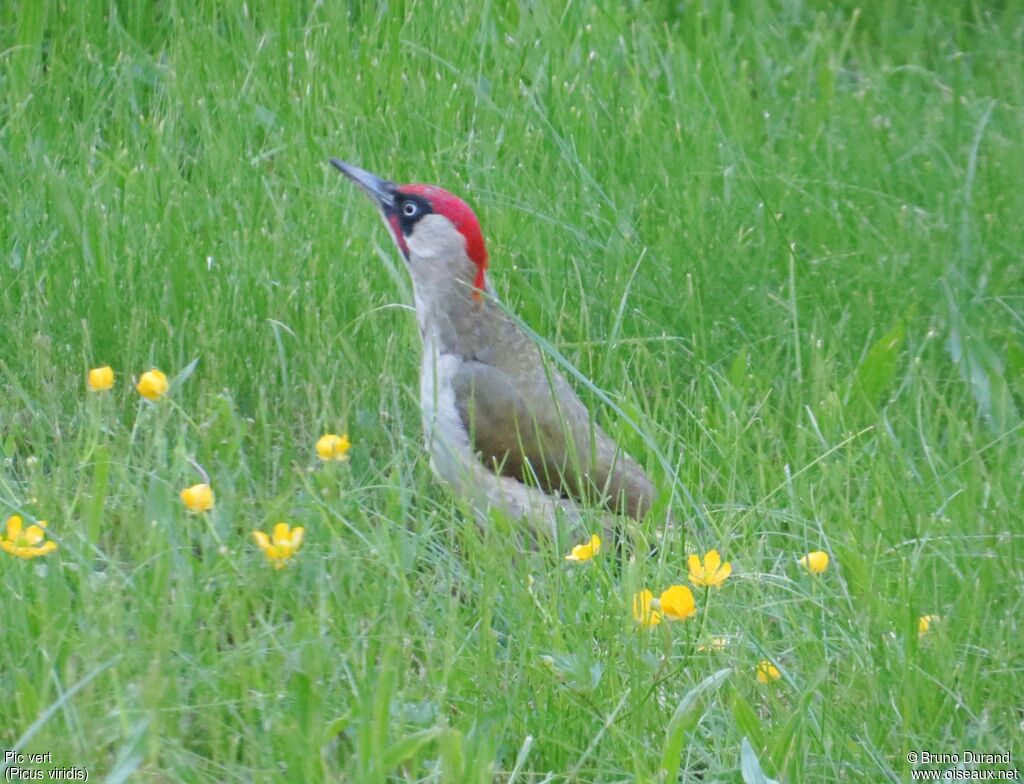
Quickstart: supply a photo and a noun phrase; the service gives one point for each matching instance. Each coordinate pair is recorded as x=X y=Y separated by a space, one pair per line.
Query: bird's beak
x=381 y=191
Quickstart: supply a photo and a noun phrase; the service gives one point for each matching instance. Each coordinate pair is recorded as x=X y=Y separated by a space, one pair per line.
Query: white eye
x=410 y=208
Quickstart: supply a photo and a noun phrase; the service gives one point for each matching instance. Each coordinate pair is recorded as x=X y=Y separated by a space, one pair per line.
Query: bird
x=504 y=429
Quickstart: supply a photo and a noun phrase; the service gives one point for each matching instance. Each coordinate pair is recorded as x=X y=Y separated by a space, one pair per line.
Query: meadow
x=780 y=241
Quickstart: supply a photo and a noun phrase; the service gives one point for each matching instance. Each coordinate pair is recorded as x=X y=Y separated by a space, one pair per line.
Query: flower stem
x=703 y=622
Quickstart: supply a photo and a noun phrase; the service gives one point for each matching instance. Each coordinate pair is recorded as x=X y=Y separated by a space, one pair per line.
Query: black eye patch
x=409 y=210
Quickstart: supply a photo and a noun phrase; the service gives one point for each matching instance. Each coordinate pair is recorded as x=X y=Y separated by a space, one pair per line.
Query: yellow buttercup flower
x=712 y=572
x=198 y=498
x=25 y=542
x=332 y=447
x=152 y=385
x=924 y=623
x=676 y=603
x=100 y=379
x=643 y=612
x=815 y=562
x=766 y=672
x=584 y=552
x=282 y=546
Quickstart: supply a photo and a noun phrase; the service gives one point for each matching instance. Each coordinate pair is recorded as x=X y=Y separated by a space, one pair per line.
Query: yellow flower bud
x=677 y=603
x=198 y=498
x=924 y=623
x=644 y=613
x=332 y=447
x=152 y=385
x=584 y=552
x=766 y=672
x=100 y=379
x=815 y=562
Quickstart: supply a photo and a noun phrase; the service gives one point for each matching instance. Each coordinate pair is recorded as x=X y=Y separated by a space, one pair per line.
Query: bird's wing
x=538 y=430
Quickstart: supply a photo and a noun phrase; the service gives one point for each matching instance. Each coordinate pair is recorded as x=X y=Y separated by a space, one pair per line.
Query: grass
x=784 y=241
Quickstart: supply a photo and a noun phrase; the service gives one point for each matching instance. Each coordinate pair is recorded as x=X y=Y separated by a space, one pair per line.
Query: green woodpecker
x=503 y=429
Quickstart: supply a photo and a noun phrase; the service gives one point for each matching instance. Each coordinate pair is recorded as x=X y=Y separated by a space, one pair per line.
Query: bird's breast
x=447 y=437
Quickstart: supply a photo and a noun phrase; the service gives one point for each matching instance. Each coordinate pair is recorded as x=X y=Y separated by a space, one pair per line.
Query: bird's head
x=436 y=231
